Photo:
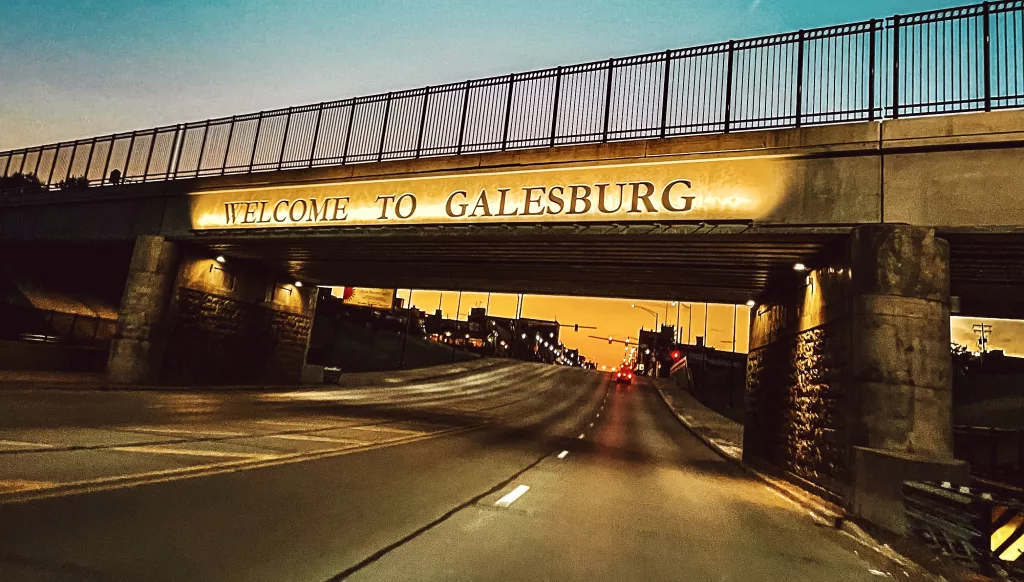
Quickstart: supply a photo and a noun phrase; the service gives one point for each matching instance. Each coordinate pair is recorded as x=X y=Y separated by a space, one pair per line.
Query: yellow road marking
x=191 y=452
x=184 y=431
x=12 y=485
x=70 y=488
x=310 y=437
x=24 y=444
x=384 y=428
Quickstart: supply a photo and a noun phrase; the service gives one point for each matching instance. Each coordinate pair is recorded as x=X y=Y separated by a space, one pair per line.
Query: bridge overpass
x=697 y=174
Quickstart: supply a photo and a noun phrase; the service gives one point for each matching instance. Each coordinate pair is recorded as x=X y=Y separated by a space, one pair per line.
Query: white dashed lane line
x=582 y=435
x=563 y=454
x=511 y=496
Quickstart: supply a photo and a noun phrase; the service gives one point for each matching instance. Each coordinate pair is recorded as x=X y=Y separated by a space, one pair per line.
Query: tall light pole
x=734 y=308
x=679 y=332
x=689 y=324
x=651 y=311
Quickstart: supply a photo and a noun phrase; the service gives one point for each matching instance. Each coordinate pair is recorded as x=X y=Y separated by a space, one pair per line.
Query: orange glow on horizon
x=612 y=317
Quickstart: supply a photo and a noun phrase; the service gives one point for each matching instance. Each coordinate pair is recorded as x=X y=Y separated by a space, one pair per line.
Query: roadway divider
x=981 y=527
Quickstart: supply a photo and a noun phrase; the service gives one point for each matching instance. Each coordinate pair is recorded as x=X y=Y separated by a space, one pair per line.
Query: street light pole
x=405 y=336
x=651 y=311
x=734 y=308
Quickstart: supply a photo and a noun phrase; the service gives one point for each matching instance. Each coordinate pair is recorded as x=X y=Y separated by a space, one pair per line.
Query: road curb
x=819 y=509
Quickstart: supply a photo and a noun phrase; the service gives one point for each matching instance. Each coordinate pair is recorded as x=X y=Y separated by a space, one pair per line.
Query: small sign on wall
x=365 y=296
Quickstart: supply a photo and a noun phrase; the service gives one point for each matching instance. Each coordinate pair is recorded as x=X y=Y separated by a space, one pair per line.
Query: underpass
x=392 y=480
x=854 y=227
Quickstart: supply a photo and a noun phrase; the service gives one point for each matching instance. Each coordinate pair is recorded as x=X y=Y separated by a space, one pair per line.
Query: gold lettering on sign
x=658 y=191
x=570 y=199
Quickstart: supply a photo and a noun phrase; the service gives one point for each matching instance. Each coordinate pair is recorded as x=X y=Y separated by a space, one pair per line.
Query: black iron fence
x=951 y=60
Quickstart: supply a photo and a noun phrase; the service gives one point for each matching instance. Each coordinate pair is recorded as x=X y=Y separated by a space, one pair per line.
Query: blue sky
x=77 y=69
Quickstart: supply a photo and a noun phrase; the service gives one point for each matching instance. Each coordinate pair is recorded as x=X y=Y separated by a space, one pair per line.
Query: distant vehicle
x=624 y=376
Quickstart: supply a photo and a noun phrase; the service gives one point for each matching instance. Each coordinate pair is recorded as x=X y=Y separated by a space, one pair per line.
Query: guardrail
x=952 y=60
x=992 y=453
x=52 y=326
x=979 y=527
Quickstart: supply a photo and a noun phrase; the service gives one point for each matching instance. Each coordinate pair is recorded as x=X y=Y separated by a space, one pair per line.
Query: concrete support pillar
x=137 y=347
x=901 y=366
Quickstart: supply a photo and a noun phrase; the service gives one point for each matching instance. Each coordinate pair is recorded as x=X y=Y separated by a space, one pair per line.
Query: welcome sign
x=737 y=189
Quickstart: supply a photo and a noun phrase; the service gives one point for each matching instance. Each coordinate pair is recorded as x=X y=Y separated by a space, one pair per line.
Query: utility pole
x=982 y=329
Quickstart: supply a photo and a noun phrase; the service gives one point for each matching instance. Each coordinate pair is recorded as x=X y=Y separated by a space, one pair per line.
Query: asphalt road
x=506 y=472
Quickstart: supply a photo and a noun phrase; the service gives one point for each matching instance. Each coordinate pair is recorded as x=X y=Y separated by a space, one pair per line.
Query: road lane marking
x=115 y=482
x=591 y=425
x=582 y=434
x=383 y=428
x=192 y=452
x=511 y=496
x=310 y=437
x=184 y=431
x=24 y=444
x=17 y=485
x=563 y=454
x=598 y=415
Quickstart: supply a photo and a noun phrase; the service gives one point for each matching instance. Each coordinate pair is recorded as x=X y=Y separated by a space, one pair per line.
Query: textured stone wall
x=233 y=323
x=796 y=404
x=853 y=354
x=219 y=340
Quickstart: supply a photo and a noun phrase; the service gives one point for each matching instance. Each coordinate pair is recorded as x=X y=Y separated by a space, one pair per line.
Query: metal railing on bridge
x=952 y=60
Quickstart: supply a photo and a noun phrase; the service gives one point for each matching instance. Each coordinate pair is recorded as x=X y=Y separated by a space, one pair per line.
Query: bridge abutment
x=137 y=348
x=188 y=319
x=849 y=373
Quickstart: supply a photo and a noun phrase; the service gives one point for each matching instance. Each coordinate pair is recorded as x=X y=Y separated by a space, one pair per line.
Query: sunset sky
x=91 y=67
x=80 y=69
x=613 y=317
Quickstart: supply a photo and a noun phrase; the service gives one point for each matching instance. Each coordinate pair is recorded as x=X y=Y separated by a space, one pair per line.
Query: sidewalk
x=725 y=437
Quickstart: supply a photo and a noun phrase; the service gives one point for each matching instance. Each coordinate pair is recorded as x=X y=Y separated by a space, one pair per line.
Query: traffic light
x=676 y=355
x=609 y=340
x=576 y=327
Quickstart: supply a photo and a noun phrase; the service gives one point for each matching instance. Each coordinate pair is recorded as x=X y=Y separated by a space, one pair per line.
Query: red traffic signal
x=676 y=355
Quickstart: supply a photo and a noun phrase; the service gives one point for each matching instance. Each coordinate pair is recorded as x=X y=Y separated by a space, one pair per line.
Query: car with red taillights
x=624 y=376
